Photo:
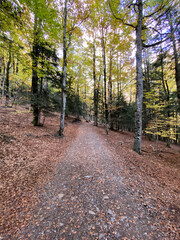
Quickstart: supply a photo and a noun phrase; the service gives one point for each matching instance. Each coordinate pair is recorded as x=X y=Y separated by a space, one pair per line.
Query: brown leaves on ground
x=159 y=171
x=28 y=158
x=31 y=155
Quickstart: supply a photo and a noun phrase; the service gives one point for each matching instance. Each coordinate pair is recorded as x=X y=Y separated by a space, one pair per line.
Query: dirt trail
x=90 y=198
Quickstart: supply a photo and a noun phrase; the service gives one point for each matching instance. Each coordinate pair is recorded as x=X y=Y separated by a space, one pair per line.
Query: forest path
x=90 y=198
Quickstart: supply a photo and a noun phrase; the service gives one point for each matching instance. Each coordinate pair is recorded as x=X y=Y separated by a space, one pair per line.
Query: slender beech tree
x=75 y=10
x=176 y=58
x=110 y=89
x=139 y=72
x=7 y=72
x=35 y=57
x=64 y=68
x=105 y=76
x=139 y=80
x=96 y=90
x=1 y=77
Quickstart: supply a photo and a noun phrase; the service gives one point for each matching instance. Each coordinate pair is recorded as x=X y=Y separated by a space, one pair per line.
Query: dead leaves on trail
x=158 y=173
x=100 y=189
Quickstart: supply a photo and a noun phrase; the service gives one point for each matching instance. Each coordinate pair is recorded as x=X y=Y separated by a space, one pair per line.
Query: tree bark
x=1 y=77
x=146 y=87
x=119 y=82
x=139 y=81
x=7 y=76
x=17 y=66
x=95 y=87
x=63 y=94
x=177 y=64
x=4 y=78
x=167 y=96
x=117 y=76
x=104 y=71
x=35 y=56
x=110 y=90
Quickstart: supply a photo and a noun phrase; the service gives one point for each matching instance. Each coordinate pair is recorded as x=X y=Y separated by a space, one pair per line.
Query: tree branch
x=161 y=34
x=154 y=44
x=151 y=14
x=124 y=23
x=72 y=29
x=162 y=14
x=10 y=41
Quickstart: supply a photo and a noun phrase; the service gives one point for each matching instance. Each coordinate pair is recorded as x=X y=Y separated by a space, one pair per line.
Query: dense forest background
x=113 y=62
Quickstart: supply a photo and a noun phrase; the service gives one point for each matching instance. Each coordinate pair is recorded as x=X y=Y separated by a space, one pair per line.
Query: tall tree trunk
x=110 y=90
x=63 y=94
x=95 y=88
x=117 y=65
x=35 y=56
x=4 y=78
x=139 y=81
x=14 y=65
x=17 y=66
x=105 y=88
x=146 y=113
x=167 y=96
x=177 y=64
x=147 y=70
x=16 y=86
x=85 y=91
x=119 y=85
x=1 y=60
x=7 y=75
x=119 y=69
x=78 y=102
x=41 y=100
